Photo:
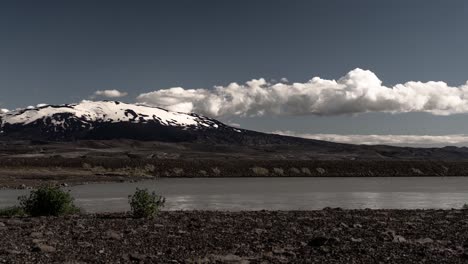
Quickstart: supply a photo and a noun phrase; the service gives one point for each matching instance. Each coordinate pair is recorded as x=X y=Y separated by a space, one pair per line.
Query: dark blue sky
x=63 y=51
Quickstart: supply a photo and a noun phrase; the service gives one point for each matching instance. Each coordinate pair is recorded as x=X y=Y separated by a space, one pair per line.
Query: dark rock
x=43 y=248
x=399 y=239
x=137 y=256
x=12 y=251
x=317 y=241
x=424 y=240
x=325 y=249
x=464 y=255
x=113 y=235
x=36 y=235
x=15 y=222
x=229 y=258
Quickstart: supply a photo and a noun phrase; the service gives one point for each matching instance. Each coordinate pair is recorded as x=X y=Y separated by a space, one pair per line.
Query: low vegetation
x=44 y=201
x=260 y=171
x=278 y=171
x=12 y=211
x=53 y=201
x=147 y=167
x=48 y=201
x=144 y=204
x=146 y=170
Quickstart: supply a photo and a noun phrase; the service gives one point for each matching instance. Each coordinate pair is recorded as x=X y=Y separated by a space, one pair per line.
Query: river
x=236 y=194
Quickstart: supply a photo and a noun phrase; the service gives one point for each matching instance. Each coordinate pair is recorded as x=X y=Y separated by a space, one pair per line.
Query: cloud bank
x=109 y=94
x=394 y=140
x=359 y=91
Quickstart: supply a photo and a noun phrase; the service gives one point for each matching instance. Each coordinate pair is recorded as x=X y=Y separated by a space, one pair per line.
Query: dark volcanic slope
x=106 y=120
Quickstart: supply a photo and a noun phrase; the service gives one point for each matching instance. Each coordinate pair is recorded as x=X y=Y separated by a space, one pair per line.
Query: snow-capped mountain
x=105 y=120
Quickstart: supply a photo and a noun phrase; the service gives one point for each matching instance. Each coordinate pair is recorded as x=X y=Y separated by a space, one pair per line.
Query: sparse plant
x=94 y=169
x=150 y=168
x=144 y=204
x=178 y=171
x=260 y=171
x=216 y=171
x=47 y=201
x=320 y=170
x=87 y=166
x=278 y=171
x=295 y=170
x=305 y=171
x=12 y=211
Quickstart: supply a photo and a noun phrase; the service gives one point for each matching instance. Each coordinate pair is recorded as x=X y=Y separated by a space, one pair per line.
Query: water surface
x=275 y=193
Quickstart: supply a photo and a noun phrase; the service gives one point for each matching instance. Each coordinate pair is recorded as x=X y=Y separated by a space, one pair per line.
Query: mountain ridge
x=92 y=119
x=113 y=120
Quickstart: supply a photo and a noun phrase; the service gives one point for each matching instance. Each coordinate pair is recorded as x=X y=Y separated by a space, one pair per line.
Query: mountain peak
x=105 y=111
x=88 y=117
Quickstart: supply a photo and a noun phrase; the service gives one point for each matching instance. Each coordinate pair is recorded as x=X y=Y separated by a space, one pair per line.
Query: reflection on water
x=275 y=193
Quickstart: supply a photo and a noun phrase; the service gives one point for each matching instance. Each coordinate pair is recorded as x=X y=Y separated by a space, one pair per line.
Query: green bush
x=260 y=171
x=11 y=211
x=145 y=204
x=47 y=201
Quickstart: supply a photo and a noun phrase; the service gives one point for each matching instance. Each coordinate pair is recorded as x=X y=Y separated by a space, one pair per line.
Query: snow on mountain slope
x=103 y=111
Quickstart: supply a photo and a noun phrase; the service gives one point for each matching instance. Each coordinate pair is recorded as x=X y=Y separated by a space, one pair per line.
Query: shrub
x=260 y=171
x=216 y=171
x=465 y=207
x=305 y=171
x=145 y=204
x=48 y=200
x=320 y=170
x=278 y=171
x=11 y=211
x=150 y=168
x=178 y=171
x=294 y=170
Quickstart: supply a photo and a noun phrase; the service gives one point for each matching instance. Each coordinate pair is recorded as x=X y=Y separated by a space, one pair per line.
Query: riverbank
x=21 y=173
x=324 y=236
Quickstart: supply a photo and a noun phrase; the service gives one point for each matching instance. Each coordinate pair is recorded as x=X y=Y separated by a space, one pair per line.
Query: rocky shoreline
x=324 y=236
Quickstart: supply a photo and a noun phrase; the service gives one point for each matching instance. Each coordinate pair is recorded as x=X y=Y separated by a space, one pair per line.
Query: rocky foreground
x=325 y=236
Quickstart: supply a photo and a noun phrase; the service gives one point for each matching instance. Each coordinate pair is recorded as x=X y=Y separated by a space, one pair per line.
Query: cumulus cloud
x=4 y=110
x=233 y=124
x=394 y=140
x=359 y=91
x=109 y=94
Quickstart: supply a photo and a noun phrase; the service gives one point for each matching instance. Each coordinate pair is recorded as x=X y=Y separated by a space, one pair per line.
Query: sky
x=335 y=70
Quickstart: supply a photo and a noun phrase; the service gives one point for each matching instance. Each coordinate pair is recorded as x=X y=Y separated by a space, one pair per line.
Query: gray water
x=274 y=193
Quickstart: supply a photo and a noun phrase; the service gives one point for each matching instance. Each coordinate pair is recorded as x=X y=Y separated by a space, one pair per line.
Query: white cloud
x=4 y=110
x=358 y=91
x=109 y=93
x=395 y=140
x=233 y=124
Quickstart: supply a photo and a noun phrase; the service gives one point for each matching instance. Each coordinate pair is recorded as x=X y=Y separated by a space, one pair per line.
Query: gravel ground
x=325 y=236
